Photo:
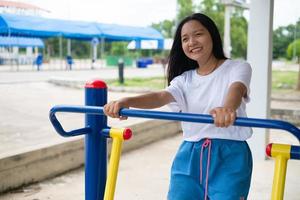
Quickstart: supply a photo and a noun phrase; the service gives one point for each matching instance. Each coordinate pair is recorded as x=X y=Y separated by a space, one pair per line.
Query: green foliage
x=185 y=8
x=119 y=48
x=165 y=27
x=79 y=48
x=52 y=47
x=215 y=11
x=282 y=37
x=239 y=26
x=293 y=49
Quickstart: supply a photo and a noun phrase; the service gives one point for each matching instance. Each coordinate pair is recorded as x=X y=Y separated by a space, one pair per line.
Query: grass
x=281 y=81
x=155 y=83
x=284 y=80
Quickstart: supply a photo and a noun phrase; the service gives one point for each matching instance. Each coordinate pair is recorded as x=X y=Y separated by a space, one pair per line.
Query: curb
x=79 y=84
x=292 y=116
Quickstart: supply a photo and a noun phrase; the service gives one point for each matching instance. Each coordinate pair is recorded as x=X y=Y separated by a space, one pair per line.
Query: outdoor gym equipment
x=98 y=186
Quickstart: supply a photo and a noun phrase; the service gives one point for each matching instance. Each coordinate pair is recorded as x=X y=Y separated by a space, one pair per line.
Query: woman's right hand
x=112 y=108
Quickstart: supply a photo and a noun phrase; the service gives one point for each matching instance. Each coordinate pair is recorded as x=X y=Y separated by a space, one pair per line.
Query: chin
x=195 y=58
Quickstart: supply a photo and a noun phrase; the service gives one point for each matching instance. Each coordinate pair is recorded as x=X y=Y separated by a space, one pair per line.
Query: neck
x=209 y=66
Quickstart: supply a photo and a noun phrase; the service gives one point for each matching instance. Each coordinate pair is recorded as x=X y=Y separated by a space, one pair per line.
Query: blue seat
x=144 y=62
x=38 y=61
x=70 y=62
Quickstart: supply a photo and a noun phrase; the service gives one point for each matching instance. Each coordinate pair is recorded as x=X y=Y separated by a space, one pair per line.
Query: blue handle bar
x=58 y=127
x=187 y=117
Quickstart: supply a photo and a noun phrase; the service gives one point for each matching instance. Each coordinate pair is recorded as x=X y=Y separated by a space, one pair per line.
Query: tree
x=282 y=37
x=238 y=35
x=165 y=28
x=79 y=48
x=119 y=48
x=185 y=8
x=294 y=50
x=239 y=30
x=215 y=11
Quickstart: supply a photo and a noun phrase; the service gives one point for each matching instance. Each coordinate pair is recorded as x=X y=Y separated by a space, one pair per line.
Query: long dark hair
x=178 y=61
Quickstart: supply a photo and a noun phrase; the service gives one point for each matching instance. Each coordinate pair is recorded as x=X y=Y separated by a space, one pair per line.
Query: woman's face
x=196 y=41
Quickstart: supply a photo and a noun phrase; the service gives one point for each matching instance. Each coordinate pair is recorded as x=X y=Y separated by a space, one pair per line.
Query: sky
x=142 y=12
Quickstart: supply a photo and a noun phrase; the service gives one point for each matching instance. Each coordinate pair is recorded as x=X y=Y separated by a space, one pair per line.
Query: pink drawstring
x=206 y=143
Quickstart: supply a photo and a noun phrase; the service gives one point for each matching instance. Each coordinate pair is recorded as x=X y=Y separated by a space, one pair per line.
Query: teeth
x=196 y=50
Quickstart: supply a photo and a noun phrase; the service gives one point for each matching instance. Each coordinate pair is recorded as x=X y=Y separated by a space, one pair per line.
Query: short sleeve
x=177 y=91
x=242 y=72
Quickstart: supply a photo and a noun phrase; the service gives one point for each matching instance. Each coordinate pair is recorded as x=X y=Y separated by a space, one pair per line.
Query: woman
x=214 y=161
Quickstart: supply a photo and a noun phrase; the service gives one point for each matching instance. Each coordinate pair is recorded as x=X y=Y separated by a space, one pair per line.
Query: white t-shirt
x=194 y=93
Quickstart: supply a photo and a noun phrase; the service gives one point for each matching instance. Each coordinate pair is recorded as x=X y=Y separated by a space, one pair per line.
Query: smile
x=196 y=50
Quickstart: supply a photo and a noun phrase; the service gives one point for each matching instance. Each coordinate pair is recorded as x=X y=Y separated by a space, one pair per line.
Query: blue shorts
x=225 y=172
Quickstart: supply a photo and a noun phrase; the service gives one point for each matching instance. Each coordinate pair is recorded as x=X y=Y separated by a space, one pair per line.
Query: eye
x=199 y=33
x=184 y=39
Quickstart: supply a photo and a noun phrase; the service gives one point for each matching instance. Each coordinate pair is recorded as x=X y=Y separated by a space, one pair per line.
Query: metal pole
x=102 y=48
x=95 y=143
x=121 y=70
x=69 y=47
x=227 y=42
x=9 y=51
x=95 y=52
x=94 y=55
x=118 y=136
x=294 y=47
x=60 y=52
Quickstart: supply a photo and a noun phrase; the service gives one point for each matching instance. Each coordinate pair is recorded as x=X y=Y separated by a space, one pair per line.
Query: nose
x=191 y=41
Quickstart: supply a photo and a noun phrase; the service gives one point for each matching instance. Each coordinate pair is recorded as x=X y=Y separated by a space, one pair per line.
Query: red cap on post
x=127 y=133
x=98 y=84
x=269 y=149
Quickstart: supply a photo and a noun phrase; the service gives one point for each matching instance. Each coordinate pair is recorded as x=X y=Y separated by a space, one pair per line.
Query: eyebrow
x=198 y=30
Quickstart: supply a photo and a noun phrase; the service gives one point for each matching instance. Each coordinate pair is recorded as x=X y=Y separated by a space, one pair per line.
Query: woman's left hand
x=223 y=116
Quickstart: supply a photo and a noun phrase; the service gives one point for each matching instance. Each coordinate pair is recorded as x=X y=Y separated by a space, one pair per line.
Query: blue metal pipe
x=187 y=117
x=295 y=152
x=95 y=143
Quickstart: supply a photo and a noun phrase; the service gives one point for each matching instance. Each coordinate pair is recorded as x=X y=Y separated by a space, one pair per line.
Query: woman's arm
x=225 y=116
x=235 y=95
x=146 y=101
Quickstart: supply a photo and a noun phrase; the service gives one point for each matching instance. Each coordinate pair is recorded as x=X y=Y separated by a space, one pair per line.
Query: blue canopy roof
x=31 y=26
x=20 y=42
x=128 y=33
